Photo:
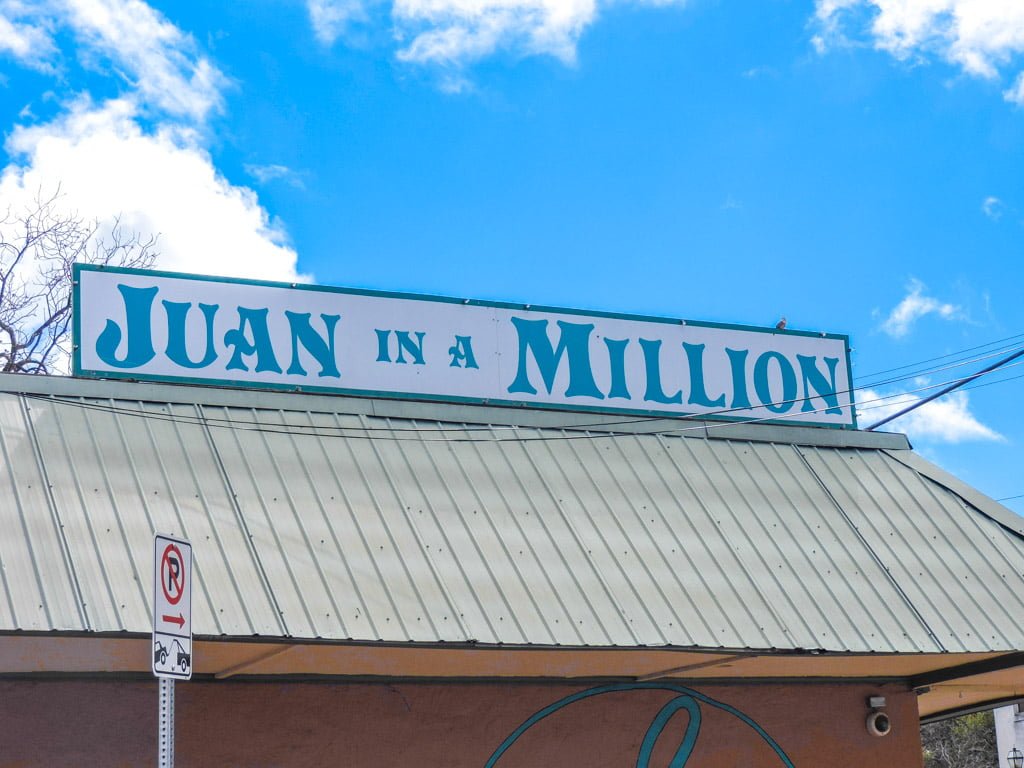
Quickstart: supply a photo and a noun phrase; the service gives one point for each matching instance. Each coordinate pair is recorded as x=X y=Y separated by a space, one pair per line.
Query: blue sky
x=853 y=165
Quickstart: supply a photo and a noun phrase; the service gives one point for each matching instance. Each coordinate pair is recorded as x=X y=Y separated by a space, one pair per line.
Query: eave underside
x=946 y=683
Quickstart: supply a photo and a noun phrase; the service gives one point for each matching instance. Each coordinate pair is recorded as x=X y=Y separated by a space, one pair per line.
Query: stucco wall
x=1009 y=730
x=113 y=723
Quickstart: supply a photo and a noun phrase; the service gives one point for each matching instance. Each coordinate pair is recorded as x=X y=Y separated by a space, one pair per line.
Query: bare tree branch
x=963 y=742
x=38 y=246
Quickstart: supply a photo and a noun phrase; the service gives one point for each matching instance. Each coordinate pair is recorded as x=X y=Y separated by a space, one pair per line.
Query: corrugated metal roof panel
x=346 y=525
x=120 y=471
x=960 y=569
x=37 y=585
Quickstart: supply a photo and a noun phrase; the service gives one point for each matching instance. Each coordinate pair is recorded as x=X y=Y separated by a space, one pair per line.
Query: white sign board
x=160 y=326
x=172 y=608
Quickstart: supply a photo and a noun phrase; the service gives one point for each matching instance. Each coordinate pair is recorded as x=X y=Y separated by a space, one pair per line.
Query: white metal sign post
x=172 y=631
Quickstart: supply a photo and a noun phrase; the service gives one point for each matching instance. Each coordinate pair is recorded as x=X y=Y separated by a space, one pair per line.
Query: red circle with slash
x=172 y=577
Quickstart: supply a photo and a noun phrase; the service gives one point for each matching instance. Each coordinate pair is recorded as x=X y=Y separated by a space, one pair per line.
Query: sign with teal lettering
x=171 y=327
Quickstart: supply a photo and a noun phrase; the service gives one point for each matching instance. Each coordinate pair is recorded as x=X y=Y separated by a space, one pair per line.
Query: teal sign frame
x=232 y=332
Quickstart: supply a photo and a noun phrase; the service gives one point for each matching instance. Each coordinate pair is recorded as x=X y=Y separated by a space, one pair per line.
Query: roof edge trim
x=989 y=507
x=191 y=394
x=983 y=706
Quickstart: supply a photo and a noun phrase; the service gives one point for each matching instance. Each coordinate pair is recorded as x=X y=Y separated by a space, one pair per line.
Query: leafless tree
x=963 y=742
x=38 y=245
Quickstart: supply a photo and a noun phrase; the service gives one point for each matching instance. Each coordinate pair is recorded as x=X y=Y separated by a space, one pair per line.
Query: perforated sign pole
x=172 y=632
x=165 y=737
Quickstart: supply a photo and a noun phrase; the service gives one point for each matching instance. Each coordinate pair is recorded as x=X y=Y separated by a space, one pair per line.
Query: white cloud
x=453 y=33
x=982 y=37
x=161 y=183
x=265 y=174
x=914 y=306
x=138 y=157
x=760 y=71
x=332 y=18
x=25 y=37
x=992 y=207
x=946 y=420
x=156 y=60
x=1016 y=92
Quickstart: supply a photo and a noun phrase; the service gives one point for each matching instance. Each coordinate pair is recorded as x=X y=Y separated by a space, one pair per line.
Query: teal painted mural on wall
x=688 y=700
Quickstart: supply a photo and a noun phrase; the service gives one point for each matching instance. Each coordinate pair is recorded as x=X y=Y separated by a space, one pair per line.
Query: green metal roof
x=357 y=519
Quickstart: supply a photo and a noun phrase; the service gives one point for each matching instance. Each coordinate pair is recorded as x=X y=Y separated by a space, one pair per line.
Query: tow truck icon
x=160 y=652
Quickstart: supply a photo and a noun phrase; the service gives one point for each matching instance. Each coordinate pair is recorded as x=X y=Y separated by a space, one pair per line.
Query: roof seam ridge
x=877 y=558
x=236 y=508
x=65 y=545
x=922 y=470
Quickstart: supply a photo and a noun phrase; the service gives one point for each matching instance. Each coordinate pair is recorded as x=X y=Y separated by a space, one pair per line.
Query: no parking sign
x=172 y=608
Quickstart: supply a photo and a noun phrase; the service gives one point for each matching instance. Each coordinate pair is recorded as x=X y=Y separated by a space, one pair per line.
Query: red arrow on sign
x=179 y=620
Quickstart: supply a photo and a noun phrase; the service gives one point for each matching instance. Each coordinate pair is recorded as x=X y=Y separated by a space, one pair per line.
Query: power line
x=645 y=419
x=941 y=357
x=319 y=430
x=366 y=432
x=916 y=400
x=603 y=422
x=946 y=390
x=940 y=369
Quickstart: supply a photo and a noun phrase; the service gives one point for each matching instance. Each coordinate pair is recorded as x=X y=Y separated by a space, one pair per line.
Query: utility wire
x=364 y=432
x=601 y=423
x=940 y=369
x=946 y=390
x=646 y=419
x=917 y=399
x=390 y=431
x=242 y=423
x=940 y=357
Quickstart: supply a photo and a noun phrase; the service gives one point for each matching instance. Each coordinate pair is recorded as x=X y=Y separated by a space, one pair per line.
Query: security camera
x=878 y=723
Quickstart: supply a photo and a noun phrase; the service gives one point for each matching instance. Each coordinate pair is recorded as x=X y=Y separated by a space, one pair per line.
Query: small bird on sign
x=781 y=324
